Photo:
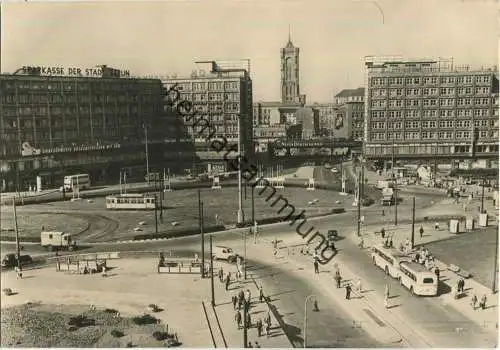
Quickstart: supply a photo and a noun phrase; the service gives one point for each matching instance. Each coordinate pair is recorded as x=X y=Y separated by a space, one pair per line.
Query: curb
x=273 y=310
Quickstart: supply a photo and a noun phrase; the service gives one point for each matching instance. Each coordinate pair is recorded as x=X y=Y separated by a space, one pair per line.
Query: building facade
x=224 y=99
x=52 y=125
x=350 y=95
x=264 y=134
x=266 y=113
x=430 y=108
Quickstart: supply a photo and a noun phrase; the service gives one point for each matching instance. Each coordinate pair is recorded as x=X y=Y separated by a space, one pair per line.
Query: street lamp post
x=240 y=198
x=482 y=196
x=156 y=213
x=212 y=272
x=18 y=248
x=305 y=318
x=359 y=205
x=147 y=152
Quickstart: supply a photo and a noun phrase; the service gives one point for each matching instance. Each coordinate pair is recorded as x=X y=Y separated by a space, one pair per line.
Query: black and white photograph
x=249 y=174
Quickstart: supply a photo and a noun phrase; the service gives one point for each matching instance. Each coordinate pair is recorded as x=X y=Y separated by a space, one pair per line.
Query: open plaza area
x=90 y=220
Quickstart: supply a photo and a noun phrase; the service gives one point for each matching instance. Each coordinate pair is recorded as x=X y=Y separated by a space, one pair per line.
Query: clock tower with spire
x=290 y=87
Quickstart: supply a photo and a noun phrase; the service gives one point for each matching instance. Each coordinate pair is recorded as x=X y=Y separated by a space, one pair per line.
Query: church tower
x=290 y=88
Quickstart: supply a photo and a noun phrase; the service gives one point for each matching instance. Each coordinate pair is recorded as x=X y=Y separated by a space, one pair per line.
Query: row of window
x=71 y=110
x=434 y=113
x=432 y=124
x=203 y=86
x=430 y=135
x=133 y=85
x=214 y=96
x=480 y=90
x=73 y=98
x=442 y=102
x=434 y=80
x=425 y=149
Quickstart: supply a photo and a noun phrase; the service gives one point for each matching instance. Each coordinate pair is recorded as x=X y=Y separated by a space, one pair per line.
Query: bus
x=388 y=259
x=131 y=201
x=418 y=279
x=80 y=181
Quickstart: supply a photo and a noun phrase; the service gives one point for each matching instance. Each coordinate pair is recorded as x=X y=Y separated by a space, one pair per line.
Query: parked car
x=10 y=260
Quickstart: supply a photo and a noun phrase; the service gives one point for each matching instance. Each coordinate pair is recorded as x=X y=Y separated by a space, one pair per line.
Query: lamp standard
x=240 y=199
x=145 y=127
x=305 y=318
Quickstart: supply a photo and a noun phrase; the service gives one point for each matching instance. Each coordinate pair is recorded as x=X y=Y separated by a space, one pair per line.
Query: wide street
x=431 y=318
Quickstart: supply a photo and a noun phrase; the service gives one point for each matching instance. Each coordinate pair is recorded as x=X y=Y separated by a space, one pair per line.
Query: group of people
x=424 y=257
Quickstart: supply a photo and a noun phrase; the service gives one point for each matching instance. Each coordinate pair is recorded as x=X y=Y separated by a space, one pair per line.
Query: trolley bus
x=388 y=259
x=80 y=182
x=418 y=279
x=131 y=201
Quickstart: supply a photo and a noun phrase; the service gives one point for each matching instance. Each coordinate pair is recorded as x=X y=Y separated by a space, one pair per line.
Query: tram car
x=131 y=201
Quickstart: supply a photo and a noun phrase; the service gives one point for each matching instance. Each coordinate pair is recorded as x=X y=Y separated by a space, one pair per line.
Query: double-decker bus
x=388 y=259
x=418 y=279
x=79 y=181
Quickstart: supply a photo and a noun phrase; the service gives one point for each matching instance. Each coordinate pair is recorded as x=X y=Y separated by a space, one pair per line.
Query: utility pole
x=156 y=213
x=495 y=267
x=253 y=204
x=245 y=330
x=162 y=197
x=482 y=197
x=245 y=255
x=212 y=272
x=200 y=204
x=240 y=198
x=413 y=225
x=147 y=152
x=359 y=205
x=18 y=248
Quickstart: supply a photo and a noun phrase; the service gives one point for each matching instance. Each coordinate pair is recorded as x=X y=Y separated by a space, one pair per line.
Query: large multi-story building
x=57 y=121
x=224 y=99
x=349 y=114
x=430 y=108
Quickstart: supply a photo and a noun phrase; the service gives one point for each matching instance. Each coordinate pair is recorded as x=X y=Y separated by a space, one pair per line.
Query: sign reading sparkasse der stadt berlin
x=101 y=71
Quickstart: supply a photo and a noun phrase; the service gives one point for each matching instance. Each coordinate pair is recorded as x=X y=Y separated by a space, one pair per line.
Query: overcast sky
x=164 y=37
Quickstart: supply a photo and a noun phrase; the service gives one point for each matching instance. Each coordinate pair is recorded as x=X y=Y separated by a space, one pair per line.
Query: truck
x=387 y=196
x=381 y=184
x=53 y=240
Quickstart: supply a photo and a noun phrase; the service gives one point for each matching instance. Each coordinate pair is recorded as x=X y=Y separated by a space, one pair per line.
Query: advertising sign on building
x=95 y=72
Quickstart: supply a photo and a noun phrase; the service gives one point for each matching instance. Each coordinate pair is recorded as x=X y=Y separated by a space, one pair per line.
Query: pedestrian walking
x=221 y=275
x=361 y=244
x=391 y=244
x=482 y=304
x=259 y=327
x=382 y=232
x=383 y=212
x=386 y=302
x=421 y=231
x=474 y=301
x=237 y=318
x=228 y=280
x=338 y=279
x=234 y=299
x=261 y=294
x=462 y=284
x=249 y=320
x=268 y=319
x=316 y=266
x=358 y=285
x=436 y=271
x=268 y=329
x=387 y=292
x=275 y=252
x=348 y=292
